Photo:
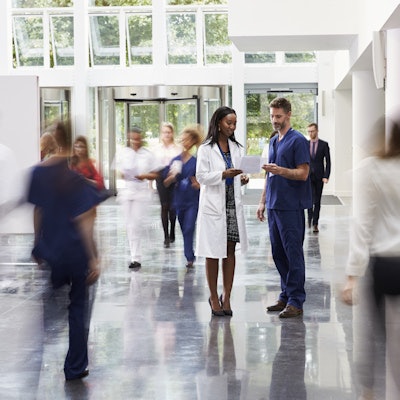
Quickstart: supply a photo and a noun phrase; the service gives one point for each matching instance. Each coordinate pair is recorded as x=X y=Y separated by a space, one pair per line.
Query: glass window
x=140 y=39
x=181 y=34
x=258 y=124
x=119 y=3
x=28 y=41
x=41 y=3
x=217 y=43
x=259 y=58
x=189 y=2
x=308 y=57
x=104 y=40
x=62 y=39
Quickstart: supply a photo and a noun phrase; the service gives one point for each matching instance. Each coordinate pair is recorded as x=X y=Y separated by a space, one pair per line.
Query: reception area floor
x=152 y=335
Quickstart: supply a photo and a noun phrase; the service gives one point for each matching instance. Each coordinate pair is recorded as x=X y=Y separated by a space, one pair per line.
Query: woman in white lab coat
x=220 y=221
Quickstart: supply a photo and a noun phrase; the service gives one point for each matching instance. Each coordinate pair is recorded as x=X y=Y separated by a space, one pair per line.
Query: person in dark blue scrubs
x=287 y=195
x=186 y=189
x=63 y=224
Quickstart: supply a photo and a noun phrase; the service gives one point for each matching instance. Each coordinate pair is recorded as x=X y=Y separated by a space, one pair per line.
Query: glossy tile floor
x=152 y=335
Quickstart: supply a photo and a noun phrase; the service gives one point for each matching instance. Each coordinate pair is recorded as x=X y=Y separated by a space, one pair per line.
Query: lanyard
x=228 y=162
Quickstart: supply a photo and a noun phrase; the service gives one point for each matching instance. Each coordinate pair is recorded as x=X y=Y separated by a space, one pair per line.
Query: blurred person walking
x=63 y=225
x=373 y=267
x=83 y=164
x=182 y=177
x=137 y=166
x=165 y=152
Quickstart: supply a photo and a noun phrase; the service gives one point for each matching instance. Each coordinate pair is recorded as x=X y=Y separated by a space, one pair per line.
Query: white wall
x=20 y=131
x=342 y=161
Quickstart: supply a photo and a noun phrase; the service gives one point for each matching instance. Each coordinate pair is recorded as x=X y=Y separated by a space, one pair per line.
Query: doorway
x=122 y=108
x=303 y=98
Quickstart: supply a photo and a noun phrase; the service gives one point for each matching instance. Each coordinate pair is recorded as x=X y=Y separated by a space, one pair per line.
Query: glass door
x=148 y=115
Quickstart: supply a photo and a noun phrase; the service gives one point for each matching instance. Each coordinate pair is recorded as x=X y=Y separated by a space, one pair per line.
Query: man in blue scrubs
x=287 y=195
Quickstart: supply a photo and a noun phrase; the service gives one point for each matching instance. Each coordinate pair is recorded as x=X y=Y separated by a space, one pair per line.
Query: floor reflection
x=151 y=333
x=287 y=380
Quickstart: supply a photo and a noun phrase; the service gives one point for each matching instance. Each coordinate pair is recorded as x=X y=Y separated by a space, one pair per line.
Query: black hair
x=213 y=128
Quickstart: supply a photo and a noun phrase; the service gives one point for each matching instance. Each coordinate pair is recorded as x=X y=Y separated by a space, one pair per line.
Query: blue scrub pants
x=74 y=274
x=286 y=230
x=187 y=220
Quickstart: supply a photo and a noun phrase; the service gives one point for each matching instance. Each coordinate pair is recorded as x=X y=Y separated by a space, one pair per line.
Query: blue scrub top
x=62 y=195
x=282 y=193
x=185 y=195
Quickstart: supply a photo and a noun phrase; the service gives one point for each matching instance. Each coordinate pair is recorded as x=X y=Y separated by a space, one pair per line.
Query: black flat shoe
x=216 y=313
x=84 y=374
x=135 y=265
x=166 y=243
x=229 y=313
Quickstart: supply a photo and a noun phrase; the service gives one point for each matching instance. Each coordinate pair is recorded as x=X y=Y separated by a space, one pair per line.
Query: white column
x=80 y=93
x=368 y=113
x=238 y=102
x=5 y=37
x=392 y=75
x=368 y=117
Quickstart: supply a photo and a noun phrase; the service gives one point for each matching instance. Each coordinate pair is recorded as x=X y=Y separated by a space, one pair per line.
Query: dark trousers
x=313 y=213
x=286 y=230
x=187 y=220
x=74 y=275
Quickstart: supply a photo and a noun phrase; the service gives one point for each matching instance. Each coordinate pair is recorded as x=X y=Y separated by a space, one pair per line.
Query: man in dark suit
x=320 y=169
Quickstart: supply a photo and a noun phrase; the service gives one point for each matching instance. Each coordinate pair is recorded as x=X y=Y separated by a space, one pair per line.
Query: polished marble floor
x=152 y=335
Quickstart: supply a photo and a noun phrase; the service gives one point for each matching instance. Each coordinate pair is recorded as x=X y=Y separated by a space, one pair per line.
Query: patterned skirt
x=231 y=221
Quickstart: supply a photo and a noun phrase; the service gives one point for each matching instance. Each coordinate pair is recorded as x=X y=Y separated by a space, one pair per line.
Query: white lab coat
x=211 y=233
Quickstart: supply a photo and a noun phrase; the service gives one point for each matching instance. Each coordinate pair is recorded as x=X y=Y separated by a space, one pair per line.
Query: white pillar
x=392 y=75
x=368 y=118
x=368 y=111
x=5 y=38
x=80 y=92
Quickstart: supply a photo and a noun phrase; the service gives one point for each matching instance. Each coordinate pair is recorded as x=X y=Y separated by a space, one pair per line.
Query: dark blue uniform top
x=282 y=193
x=62 y=195
x=185 y=195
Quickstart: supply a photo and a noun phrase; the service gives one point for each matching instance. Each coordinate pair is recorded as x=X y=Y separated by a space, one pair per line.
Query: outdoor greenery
x=41 y=3
x=141 y=38
x=181 y=34
x=259 y=58
x=258 y=122
x=217 y=39
x=300 y=57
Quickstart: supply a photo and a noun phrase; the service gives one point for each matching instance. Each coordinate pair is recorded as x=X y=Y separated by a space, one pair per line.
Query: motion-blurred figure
x=373 y=269
x=165 y=152
x=137 y=166
x=182 y=177
x=63 y=204
x=48 y=146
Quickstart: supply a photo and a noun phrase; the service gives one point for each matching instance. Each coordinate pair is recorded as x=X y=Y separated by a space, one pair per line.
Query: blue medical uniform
x=62 y=195
x=286 y=201
x=186 y=203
